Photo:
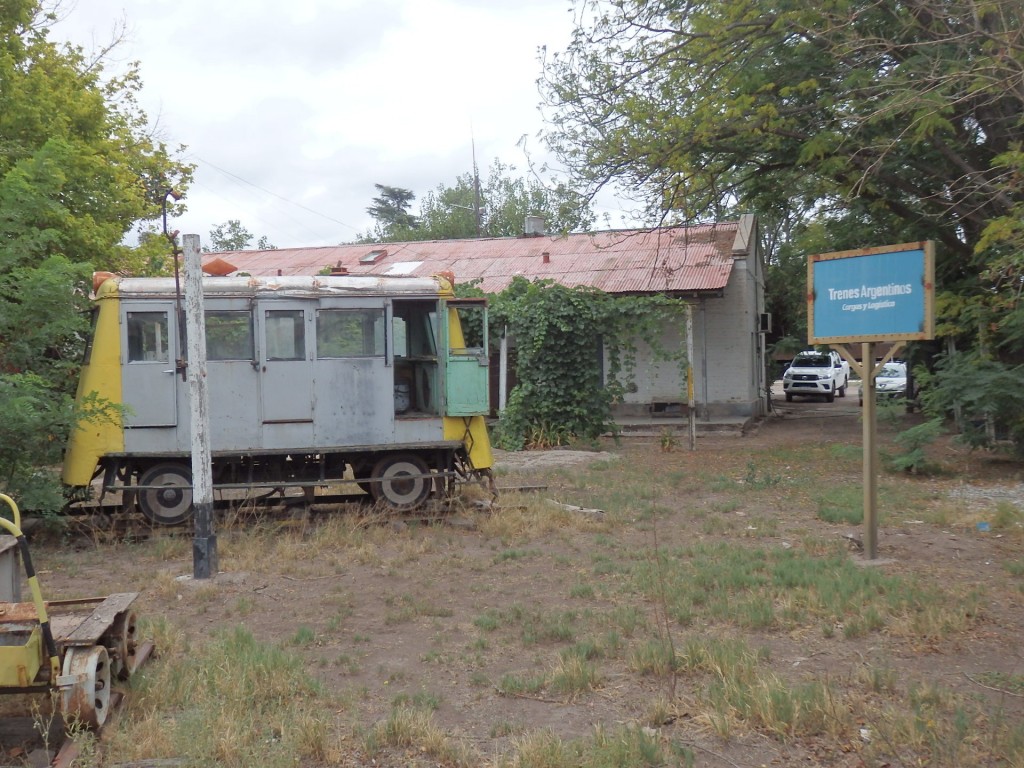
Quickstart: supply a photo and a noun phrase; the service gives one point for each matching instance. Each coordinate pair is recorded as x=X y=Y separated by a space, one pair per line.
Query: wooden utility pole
x=204 y=540
x=868 y=369
x=691 y=398
x=870 y=447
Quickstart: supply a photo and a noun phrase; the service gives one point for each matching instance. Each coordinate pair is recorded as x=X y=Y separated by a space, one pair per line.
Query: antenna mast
x=476 y=184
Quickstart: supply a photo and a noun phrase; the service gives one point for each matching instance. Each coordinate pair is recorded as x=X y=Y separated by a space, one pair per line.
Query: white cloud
x=313 y=102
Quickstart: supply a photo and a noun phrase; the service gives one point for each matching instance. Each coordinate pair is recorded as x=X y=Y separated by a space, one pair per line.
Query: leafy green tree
x=843 y=123
x=229 y=236
x=494 y=206
x=711 y=104
x=79 y=168
x=452 y=212
x=391 y=210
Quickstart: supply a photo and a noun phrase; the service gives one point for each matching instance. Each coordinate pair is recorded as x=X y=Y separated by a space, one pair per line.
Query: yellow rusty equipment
x=87 y=643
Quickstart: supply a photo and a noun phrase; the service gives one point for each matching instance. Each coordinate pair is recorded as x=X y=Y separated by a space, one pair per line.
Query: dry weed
x=519 y=517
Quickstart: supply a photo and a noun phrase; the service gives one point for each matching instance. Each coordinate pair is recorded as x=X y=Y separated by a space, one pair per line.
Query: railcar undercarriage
x=401 y=478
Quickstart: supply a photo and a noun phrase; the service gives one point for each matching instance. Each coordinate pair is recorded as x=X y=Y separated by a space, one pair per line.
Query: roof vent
x=534 y=226
x=338 y=269
x=373 y=257
x=217 y=267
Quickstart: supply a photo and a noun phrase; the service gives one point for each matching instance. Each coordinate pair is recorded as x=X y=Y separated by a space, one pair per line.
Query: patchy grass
x=711 y=610
x=235 y=702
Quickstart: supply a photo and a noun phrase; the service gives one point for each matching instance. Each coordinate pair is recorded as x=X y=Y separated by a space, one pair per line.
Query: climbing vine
x=560 y=335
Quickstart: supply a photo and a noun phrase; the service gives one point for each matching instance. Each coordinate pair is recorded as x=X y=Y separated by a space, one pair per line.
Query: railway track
x=111 y=521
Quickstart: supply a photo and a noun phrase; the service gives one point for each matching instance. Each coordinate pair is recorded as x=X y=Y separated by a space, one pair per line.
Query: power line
x=274 y=194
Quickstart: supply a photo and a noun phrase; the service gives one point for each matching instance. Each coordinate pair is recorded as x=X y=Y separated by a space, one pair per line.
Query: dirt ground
x=401 y=617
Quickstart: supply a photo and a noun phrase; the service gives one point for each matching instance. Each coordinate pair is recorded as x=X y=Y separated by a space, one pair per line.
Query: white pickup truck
x=816 y=374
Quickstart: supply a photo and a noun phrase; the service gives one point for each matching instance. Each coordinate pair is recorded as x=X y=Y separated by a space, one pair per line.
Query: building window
x=373 y=257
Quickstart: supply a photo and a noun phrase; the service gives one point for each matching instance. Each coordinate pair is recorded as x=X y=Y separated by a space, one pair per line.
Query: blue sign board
x=871 y=294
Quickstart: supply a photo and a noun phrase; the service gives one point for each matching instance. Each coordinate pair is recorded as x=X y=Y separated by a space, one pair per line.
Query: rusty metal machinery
x=73 y=648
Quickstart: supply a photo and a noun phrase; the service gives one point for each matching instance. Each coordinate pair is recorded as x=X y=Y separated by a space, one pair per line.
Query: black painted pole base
x=204 y=557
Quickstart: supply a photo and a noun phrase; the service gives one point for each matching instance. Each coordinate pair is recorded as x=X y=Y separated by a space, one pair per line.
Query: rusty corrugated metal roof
x=671 y=259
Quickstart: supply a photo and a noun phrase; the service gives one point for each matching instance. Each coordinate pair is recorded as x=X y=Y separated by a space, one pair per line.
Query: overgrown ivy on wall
x=560 y=334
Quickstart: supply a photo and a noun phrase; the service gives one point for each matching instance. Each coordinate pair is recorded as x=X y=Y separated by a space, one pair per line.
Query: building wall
x=728 y=349
x=728 y=352
x=654 y=384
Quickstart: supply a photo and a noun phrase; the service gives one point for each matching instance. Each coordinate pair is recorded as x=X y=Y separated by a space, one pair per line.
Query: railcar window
x=399 y=336
x=415 y=329
x=349 y=333
x=471 y=320
x=147 y=337
x=423 y=335
x=286 y=334
x=229 y=335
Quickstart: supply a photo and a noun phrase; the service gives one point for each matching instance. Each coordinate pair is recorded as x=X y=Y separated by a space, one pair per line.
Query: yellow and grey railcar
x=382 y=380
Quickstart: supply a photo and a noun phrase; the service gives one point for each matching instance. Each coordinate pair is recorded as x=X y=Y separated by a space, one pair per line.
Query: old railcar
x=311 y=380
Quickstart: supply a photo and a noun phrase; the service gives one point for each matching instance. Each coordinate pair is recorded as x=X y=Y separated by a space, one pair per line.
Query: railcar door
x=352 y=381
x=233 y=378
x=467 y=390
x=149 y=384
x=285 y=363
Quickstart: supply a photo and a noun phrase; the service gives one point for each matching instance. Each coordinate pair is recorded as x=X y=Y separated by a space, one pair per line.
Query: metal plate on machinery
x=101 y=619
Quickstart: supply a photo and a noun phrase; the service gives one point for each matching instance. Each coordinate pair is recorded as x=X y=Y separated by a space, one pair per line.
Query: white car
x=816 y=374
x=890 y=382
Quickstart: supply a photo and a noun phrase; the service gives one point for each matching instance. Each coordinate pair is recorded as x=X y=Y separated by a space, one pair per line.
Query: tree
x=842 y=123
x=232 y=236
x=496 y=206
x=229 y=236
x=78 y=169
x=391 y=210
x=905 y=108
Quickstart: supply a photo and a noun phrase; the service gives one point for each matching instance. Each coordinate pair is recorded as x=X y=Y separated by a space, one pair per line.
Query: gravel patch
x=527 y=461
x=978 y=494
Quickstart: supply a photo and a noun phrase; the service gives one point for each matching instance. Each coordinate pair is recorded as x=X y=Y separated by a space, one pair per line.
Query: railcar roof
x=295 y=285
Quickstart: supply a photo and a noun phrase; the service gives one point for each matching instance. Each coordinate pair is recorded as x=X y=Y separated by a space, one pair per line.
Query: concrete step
x=680 y=427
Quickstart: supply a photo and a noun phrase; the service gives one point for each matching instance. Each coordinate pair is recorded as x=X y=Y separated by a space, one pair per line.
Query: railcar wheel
x=171 y=502
x=87 y=698
x=122 y=645
x=401 y=481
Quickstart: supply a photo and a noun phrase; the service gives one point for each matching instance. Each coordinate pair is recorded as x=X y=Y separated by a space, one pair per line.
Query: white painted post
x=204 y=540
x=503 y=371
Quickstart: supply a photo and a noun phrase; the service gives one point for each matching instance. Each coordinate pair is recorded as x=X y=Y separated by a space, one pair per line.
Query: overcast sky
x=293 y=110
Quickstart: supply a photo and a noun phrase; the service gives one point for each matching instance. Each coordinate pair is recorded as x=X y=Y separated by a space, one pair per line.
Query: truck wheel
x=830 y=397
x=789 y=398
x=842 y=389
